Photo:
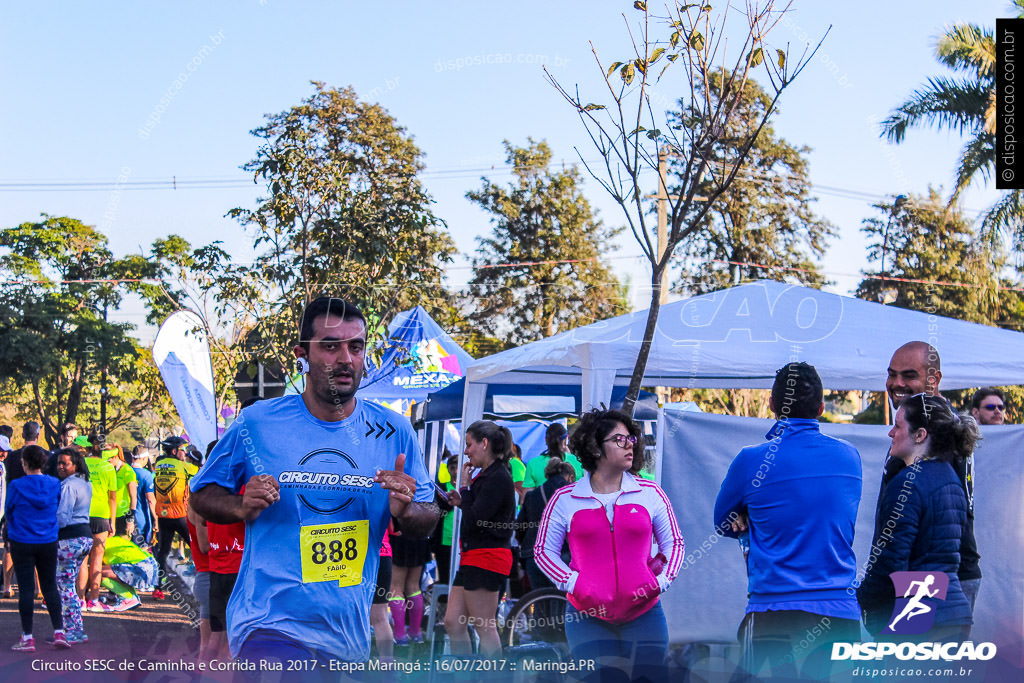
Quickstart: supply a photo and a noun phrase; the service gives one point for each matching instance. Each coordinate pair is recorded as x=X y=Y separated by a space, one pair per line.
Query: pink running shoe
x=25 y=645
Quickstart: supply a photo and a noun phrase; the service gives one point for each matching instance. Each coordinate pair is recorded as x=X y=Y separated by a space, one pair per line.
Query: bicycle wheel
x=538 y=617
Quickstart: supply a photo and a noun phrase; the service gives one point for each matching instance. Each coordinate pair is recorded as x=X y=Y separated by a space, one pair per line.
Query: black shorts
x=221 y=586
x=407 y=552
x=383 y=590
x=121 y=526
x=477 y=579
x=99 y=525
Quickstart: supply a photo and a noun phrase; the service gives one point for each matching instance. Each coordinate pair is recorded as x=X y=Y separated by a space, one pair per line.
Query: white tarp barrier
x=182 y=353
x=707 y=600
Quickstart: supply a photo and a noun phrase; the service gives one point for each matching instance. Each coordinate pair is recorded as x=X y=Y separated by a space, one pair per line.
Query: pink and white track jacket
x=611 y=574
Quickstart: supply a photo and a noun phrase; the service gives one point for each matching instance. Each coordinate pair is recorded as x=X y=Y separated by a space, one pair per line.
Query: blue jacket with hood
x=31 y=509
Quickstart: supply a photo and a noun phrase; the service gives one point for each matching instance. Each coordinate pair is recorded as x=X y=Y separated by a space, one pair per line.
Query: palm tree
x=966 y=105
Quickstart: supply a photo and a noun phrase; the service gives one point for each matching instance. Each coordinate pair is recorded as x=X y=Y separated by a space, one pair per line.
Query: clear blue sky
x=81 y=79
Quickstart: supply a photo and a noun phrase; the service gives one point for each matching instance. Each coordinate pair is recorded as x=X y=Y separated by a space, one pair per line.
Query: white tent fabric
x=736 y=338
x=708 y=599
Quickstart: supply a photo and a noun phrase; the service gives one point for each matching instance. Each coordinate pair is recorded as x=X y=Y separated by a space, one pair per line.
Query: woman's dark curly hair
x=587 y=441
x=952 y=435
x=77 y=459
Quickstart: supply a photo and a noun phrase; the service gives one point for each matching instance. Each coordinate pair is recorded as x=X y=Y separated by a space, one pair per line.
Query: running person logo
x=914 y=612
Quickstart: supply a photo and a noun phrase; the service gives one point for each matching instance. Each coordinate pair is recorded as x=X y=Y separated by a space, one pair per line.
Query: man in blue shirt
x=323 y=474
x=798 y=495
x=145 y=505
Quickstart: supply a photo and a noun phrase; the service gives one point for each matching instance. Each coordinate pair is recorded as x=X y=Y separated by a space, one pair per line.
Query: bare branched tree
x=685 y=47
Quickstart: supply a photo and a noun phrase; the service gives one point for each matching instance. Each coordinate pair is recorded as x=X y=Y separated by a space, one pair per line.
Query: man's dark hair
x=322 y=306
x=67 y=428
x=7 y=430
x=30 y=431
x=34 y=457
x=797 y=392
x=983 y=393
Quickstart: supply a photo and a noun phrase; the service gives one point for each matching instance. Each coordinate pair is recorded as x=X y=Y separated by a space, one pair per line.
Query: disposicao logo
x=914 y=612
x=947 y=652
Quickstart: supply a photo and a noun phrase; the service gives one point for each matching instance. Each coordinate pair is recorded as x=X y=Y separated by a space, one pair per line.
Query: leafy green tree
x=917 y=242
x=59 y=279
x=929 y=259
x=965 y=105
x=541 y=220
x=345 y=214
x=765 y=215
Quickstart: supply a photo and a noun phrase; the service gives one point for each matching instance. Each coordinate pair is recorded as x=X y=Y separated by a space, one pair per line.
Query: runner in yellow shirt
x=127 y=491
x=170 y=480
x=103 y=478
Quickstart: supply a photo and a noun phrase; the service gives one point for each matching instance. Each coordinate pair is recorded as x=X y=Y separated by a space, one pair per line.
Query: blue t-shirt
x=300 y=569
x=143 y=515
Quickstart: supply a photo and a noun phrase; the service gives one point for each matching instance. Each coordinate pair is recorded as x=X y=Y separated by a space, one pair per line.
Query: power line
x=526 y=264
x=456 y=173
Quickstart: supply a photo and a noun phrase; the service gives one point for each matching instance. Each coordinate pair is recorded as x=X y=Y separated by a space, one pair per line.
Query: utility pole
x=889 y=294
x=103 y=380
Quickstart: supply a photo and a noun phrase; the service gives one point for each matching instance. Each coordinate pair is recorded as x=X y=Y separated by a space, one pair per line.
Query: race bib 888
x=334 y=551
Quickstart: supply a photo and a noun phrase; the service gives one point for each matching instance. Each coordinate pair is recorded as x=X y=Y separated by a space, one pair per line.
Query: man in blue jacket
x=798 y=495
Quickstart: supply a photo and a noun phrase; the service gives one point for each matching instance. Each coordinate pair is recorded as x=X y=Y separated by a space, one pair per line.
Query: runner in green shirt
x=556 y=439
x=103 y=478
x=127 y=491
x=518 y=474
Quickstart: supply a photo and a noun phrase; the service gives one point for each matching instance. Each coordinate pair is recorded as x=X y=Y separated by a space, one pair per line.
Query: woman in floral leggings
x=74 y=539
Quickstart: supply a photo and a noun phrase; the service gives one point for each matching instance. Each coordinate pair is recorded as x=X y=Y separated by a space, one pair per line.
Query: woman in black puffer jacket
x=921 y=518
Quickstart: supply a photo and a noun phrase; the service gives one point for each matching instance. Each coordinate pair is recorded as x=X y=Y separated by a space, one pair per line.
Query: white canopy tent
x=736 y=338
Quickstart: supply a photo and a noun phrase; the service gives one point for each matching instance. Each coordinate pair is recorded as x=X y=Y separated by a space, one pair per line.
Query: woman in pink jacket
x=610 y=518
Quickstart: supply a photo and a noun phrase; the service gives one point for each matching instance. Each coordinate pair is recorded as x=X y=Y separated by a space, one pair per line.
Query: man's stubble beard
x=333 y=396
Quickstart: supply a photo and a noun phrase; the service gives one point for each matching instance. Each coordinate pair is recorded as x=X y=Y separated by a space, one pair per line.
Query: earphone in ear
x=302 y=365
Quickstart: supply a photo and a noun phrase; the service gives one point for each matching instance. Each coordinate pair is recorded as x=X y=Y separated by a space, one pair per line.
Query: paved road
x=156 y=633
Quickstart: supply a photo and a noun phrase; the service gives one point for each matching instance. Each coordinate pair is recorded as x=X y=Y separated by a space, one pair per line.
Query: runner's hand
x=400 y=486
x=261 y=491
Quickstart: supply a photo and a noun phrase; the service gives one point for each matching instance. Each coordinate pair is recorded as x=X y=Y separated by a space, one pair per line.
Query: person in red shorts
x=488 y=510
x=227 y=542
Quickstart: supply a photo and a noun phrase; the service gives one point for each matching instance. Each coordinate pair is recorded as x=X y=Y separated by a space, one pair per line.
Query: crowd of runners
x=80 y=526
